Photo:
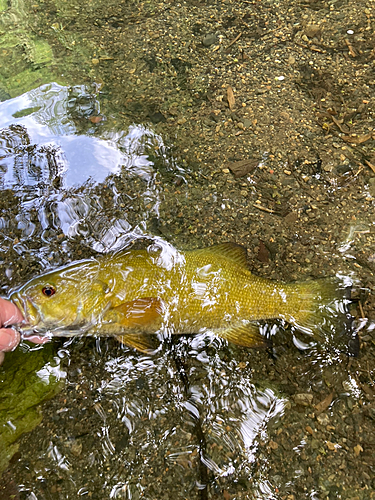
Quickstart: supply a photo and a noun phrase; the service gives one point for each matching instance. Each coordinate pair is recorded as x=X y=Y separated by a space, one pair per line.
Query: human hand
x=9 y=338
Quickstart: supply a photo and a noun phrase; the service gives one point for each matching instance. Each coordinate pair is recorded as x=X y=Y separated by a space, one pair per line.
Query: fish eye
x=48 y=290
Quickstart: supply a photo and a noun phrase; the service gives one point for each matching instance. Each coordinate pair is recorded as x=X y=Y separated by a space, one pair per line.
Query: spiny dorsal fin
x=244 y=335
x=231 y=251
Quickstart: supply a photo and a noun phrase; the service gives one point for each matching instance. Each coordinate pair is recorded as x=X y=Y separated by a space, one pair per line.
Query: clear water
x=199 y=418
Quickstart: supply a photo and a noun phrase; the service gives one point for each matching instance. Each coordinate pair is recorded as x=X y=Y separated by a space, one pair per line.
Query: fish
x=132 y=294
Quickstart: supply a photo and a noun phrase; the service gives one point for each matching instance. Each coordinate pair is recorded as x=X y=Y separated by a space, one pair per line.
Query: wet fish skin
x=133 y=293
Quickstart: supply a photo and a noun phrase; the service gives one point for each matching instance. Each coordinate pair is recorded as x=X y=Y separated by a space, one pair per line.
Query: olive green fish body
x=139 y=292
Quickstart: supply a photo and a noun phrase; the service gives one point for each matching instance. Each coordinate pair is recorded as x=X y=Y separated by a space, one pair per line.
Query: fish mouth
x=35 y=323
x=29 y=326
x=18 y=302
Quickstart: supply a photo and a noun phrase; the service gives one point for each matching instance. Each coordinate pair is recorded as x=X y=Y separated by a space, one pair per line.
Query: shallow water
x=134 y=145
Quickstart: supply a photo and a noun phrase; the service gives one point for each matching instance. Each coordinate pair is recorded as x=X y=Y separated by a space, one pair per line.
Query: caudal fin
x=325 y=314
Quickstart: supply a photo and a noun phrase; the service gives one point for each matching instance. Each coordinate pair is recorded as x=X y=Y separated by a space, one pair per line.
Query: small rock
x=313 y=31
x=323 y=419
x=231 y=100
x=95 y=119
x=357 y=450
x=304 y=399
x=210 y=39
x=76 y=449
x=371 y=186
x=325 y=403
x=226 y=495
x=291 y=217
x=343 y=169
x=309 y=430
x=243 y=167
x=331 y=446
x=273 y=445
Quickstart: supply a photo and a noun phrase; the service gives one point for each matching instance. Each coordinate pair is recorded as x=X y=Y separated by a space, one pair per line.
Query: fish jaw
x=36 y=323
x=31 y=314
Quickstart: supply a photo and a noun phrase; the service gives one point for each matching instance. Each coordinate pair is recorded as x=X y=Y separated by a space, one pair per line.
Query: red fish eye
x=48 y=291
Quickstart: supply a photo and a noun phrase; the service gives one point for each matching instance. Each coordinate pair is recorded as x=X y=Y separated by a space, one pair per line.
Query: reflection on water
x=213 y=398
x=42 y=139
x=49 y=149
x=170 y=421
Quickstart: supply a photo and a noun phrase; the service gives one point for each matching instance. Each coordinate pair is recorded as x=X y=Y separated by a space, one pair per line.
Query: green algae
x=26 y=380
x=27 y=59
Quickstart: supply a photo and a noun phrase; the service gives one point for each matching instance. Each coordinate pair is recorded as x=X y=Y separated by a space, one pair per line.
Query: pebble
x=331 y=446
x=210 y=39
x=312 y=30
x=273 y=445
x=371 y=186
x=323 y=419
x=304 y=399
x=357 y=450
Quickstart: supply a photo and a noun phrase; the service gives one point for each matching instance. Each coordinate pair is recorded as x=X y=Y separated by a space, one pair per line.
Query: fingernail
x=6 y=340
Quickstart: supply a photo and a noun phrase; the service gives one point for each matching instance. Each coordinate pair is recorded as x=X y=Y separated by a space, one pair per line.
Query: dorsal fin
x=231 y=251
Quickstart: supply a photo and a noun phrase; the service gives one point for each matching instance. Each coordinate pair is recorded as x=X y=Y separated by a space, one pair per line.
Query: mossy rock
x=26 y=379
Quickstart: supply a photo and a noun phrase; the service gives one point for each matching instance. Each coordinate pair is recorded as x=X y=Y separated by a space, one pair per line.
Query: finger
x=9 y=313
x=9 y=339
x=36 y=339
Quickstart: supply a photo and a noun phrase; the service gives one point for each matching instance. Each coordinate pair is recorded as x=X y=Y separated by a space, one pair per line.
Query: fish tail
x=324 y=313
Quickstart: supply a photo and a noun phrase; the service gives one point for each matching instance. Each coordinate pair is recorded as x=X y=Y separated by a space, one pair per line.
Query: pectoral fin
x=143 y=343
x=144 y=313
x=244 y=335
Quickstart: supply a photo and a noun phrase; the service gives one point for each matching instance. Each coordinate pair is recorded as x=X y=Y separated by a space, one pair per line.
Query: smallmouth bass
x=134 y=293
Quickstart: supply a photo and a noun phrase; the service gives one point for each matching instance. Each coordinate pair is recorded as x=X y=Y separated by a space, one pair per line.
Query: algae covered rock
x=26 y=58
x=26 y=379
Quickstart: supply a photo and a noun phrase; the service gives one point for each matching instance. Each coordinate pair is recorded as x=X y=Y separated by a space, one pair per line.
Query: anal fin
x=139 y=341
x=244 y=335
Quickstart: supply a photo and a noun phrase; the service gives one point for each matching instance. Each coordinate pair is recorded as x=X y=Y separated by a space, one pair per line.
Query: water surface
x=138 y=144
